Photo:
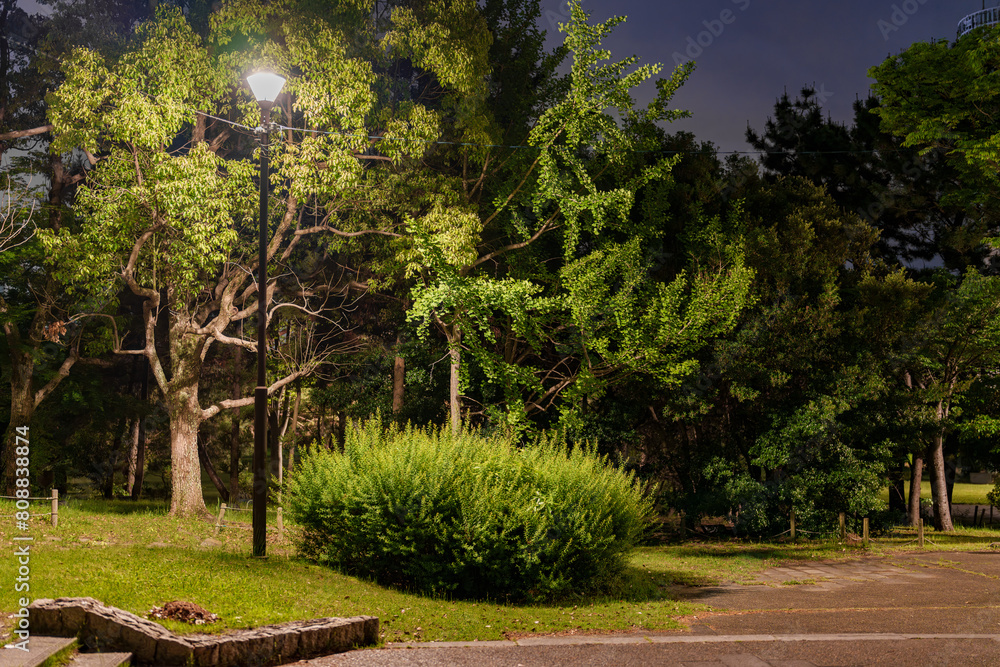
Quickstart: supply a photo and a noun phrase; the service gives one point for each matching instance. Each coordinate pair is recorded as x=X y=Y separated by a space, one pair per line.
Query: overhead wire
x=466 y=144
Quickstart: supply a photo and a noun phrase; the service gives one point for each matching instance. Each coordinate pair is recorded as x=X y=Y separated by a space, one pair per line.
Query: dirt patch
x=186 y=612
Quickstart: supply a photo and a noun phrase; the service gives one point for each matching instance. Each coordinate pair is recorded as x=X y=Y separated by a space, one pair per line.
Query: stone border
x=113 y=629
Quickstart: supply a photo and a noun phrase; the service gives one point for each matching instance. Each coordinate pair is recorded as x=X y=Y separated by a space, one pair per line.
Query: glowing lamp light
x=265 y=86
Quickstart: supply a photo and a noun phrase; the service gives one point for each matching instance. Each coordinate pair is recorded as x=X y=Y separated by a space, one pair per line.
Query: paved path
x=921 y=609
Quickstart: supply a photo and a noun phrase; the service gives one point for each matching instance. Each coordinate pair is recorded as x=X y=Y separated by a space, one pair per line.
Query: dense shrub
x=469 y=515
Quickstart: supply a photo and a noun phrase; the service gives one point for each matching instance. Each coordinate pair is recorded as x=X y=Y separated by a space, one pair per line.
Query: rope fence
x=223 y=508
x=54 y=514
x=841 y=531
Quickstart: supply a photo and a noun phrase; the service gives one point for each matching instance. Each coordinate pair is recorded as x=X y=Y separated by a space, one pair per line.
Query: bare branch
x=67 y=364
x=513 y=246
x=20 y=134
x=128 y=273
x=13 y=234
x=210 y=412
x=348 y=235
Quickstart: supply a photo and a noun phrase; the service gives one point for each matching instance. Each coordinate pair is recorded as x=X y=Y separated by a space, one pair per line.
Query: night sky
x=756 y=50
x=752 y=50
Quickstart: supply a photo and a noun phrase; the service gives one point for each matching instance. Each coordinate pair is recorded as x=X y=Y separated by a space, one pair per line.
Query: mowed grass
x=962 y=494
x=134 y=556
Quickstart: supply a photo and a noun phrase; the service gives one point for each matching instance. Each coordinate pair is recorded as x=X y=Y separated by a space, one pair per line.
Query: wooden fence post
x=865 y=527
x=793 y=523
x=843 y=527
x=920 y=532
x=55 y=508
x=222 y=514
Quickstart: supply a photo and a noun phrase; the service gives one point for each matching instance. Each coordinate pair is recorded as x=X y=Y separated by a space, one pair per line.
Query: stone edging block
x=109 y=629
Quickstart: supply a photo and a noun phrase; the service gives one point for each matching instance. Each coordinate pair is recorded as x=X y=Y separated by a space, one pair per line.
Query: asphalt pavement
x=930 y=608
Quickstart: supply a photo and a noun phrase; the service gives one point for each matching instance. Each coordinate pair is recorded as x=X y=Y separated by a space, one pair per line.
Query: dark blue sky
x=751 y=50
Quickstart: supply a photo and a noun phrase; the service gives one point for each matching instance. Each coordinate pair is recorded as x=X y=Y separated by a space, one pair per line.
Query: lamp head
x=265 y=87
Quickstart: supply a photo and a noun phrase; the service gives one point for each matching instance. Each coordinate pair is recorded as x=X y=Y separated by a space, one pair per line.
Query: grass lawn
x=962 y=494
x=135 y=556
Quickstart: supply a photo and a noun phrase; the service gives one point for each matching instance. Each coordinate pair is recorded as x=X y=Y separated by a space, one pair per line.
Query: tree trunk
x=319 y=424
x=295 y=427
x=939 y=485
x=277 y=433
x=897 y=489
x=212 y=474
x=273 y=442
x=916 y=474
x=140 y=456
x=186 y=498
x=108 y=482
x=234 y=442
x=184 y=412
x=341 y=430
x=398 y=380
x=949 y=477
x=454 y=403
x=234 y=457
x=22 y=406
x=133 y=455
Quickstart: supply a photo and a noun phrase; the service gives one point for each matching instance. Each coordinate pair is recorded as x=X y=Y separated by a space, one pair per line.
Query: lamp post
x=265 y=87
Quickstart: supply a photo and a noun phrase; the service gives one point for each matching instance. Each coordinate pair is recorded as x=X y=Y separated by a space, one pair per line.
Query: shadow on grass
x=123 y=507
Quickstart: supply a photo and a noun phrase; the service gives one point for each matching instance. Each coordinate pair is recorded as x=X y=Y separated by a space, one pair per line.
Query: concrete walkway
x=933 y=608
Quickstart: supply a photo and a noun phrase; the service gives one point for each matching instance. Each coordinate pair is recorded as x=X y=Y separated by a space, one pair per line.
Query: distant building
x=987 y=17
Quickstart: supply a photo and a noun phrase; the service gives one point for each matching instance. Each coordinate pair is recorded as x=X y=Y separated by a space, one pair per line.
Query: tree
x=957 y=345
x=165 y=214
x=36 y=316
x=552 y=260
x=942 y=98
x=906 y=195
x=778 y=416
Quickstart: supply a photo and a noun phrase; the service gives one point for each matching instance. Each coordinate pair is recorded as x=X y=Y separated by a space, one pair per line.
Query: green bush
x=469 y=515
x=993 y=497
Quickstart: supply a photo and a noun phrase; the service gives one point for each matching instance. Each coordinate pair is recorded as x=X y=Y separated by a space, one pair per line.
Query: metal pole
x=260 y=393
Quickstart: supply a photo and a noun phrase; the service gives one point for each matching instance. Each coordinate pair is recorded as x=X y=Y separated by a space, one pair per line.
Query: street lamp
x=265 y=87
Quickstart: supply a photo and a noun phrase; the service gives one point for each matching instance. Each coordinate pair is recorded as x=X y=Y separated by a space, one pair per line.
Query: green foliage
x=466 y=515
x=994 y=495
x=944 y=97
x=814 y=471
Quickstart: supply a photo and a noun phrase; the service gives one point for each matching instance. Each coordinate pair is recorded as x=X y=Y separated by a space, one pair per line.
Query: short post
x=55 y=508
x=793 y=523
x=920 y=532
x=865 y=528
x=222 y=514
x=843 y=527
x=281 y=524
